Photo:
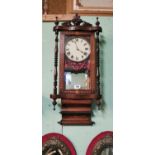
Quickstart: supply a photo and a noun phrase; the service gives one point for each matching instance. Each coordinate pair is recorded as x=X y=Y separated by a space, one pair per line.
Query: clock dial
x=77 y=49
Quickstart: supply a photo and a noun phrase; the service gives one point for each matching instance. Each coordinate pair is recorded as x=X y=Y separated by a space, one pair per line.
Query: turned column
x=54 y=96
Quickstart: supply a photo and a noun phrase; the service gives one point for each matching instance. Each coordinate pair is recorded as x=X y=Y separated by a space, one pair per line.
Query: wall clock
x=57 y=144
x=102 y=144
x=79 y=76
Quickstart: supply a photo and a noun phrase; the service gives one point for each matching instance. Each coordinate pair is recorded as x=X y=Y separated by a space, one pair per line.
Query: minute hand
x=78 y=48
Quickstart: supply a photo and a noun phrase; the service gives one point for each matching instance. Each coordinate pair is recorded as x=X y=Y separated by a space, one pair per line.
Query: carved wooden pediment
x=76 y=21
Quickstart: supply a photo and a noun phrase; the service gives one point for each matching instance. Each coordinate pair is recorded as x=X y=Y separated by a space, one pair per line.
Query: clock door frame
x=71 y=93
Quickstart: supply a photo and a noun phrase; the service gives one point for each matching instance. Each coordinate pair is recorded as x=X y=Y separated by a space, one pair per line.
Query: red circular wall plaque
x=57 y=144
x=100 y=142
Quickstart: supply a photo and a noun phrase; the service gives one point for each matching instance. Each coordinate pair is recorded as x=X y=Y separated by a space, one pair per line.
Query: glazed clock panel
x=77 y=54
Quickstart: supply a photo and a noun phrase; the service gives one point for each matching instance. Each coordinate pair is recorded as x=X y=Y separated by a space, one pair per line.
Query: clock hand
x=80 y=51
x=78 y=47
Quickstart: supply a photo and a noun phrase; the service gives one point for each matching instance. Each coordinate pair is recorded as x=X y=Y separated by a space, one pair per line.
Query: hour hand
x=81 y=51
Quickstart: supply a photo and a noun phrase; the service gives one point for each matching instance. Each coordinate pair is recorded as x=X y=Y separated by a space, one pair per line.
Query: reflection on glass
x=107 y=151
x=77 y=80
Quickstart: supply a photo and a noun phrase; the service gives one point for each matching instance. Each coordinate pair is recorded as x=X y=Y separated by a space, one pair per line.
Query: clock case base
x=76 y=112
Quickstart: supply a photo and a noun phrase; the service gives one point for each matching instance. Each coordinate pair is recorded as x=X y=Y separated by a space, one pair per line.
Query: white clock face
x=77 y=49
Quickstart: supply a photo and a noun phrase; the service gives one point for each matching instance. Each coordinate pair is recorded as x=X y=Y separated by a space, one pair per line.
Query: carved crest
x=76 y=21
x=77 y=24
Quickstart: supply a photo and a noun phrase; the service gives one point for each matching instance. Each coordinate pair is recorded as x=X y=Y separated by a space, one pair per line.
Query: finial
x=56 y=21
x=54 y=108
x=54 y=103
x=97 y=22
x=99 y=104
x=76 y=20
x=76 y=17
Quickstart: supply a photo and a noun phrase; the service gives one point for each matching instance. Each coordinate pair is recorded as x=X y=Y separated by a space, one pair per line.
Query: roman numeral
x=85 y=53
x=68 y=53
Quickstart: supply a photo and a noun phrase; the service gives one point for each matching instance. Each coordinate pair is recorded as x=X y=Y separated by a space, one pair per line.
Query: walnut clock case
x=79 y=76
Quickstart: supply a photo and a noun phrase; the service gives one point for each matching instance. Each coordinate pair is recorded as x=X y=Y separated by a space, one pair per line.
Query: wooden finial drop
x=56 y=21
x=76 y=17
x=97 y=22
